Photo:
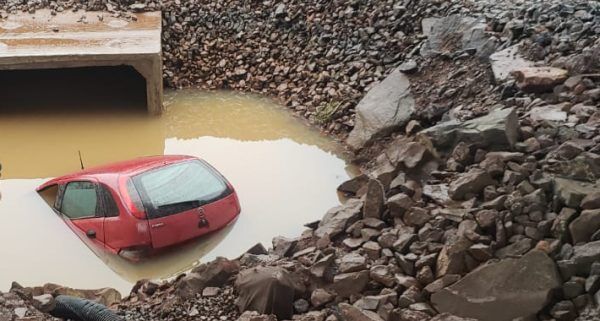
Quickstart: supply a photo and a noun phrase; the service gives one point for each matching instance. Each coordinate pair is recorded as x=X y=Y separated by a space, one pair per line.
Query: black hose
x=78 y=309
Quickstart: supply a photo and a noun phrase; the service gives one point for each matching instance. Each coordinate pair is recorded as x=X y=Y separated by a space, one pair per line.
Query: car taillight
x=131 y=198
x=135 y=253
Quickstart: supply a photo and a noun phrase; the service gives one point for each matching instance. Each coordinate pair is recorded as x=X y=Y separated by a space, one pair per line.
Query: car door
x=82 y=207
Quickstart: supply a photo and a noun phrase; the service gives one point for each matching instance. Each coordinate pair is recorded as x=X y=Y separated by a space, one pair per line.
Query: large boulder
x=337 y=219
x=502 y=291
x=267 y=290
x=572 y=192
x=215 y=273
x=386 y=107
x=499 y=128
x=584 y=226
x=454 y=34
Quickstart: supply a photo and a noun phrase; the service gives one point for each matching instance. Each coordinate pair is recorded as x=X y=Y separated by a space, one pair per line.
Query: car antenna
x=80 y=160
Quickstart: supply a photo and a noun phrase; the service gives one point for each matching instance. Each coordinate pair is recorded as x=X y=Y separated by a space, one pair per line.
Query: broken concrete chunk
x=388 y=106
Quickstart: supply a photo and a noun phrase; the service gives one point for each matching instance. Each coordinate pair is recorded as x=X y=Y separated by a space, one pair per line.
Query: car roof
x=129 y=167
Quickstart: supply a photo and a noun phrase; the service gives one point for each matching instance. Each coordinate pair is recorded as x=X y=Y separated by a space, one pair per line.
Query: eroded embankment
x=491 y=214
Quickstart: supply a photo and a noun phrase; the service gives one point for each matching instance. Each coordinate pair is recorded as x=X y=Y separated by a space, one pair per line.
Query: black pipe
x=78 y=309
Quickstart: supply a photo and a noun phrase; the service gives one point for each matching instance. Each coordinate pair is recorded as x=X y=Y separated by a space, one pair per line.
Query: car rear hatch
x=185 y=200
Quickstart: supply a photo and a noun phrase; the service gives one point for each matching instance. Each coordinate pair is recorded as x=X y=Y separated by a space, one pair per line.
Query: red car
x=137 y=207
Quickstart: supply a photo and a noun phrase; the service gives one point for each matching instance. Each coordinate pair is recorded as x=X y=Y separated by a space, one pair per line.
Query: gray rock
x=498 y=128
x=408 y=67
x=320 y=297
x=450 y=317
x=584 y=226
x=571 y=192
x=518 y=248
x=454 y=34
x=427 y=24
x=591 y=201
x=352 y=262
x=301 y=306
x=347 y=284
x=438 y=193
x=552 y=113
x=523 y=284
x=506 y=61
x=373 y=205
x=399 y=204
x=416 y=216
x=214 y=273
x=44 y=302
x=470 y=183
x=563 y=311
x=383 y=275
x=337 y=219
x=404 y=241
x=592 y=284
x=267 y=290
x=539 y=79
x=584 y=256
x=352 y=313
x=354 y=184
x=452 y=258
x=255 y=316
x=386 y=107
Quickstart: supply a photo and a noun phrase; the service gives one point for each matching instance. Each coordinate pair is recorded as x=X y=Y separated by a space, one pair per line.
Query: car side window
x=80 y=199
x=109 y=205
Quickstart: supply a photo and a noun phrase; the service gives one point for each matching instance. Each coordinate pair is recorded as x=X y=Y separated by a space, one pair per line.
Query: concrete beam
x=83 y=39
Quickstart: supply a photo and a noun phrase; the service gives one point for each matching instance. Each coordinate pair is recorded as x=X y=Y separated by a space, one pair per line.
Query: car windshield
x=179 y=187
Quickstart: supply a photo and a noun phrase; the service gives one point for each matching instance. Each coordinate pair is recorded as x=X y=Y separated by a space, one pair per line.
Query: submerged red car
x=137 y=207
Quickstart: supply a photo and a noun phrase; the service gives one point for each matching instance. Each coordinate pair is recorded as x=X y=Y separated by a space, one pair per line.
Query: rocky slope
x=478 y=126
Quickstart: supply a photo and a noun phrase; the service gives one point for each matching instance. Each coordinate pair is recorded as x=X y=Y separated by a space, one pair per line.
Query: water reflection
x=284 y=172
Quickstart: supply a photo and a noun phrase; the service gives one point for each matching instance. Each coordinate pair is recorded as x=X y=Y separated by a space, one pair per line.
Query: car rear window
x=175 y=188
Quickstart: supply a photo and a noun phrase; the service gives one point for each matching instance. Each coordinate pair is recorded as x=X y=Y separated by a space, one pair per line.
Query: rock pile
x=480 y=199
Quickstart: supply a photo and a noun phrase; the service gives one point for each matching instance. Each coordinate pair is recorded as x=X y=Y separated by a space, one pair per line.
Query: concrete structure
x=83 y=39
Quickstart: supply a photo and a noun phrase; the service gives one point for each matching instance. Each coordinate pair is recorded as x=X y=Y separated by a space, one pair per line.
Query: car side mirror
x=91 y=234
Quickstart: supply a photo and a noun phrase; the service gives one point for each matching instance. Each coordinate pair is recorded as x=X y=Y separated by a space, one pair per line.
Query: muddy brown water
x=284 y=171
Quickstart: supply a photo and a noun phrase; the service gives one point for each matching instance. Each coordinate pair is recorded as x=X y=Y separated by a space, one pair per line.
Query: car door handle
x=91 y=234
x=158 y=225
